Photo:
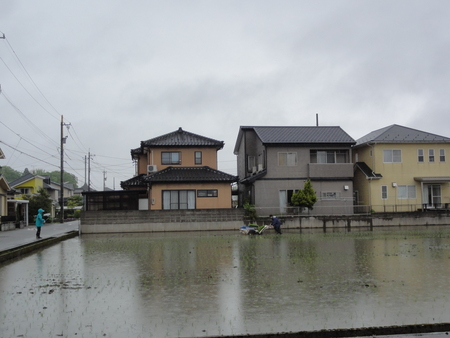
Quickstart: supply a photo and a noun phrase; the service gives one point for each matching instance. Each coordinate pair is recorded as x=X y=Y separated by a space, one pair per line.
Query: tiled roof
x=136 y=181
x=298 y=135
x=179 y=139
x=367 y=171
x=189 y=175
x=399 y=134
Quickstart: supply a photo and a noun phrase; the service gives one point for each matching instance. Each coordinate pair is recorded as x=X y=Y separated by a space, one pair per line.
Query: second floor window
x=24 y=191
x=441 y=155
x=287 y=159
x=392 y=156
x=328 y=156
x=430 y=155
x=198 y=157
x=420 y=157
x=170 y=157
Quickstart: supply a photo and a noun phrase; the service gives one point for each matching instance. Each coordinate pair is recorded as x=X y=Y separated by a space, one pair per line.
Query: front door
x=433 y=195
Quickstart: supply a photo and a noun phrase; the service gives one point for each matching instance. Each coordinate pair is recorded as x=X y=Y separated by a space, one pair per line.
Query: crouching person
x=276 y=223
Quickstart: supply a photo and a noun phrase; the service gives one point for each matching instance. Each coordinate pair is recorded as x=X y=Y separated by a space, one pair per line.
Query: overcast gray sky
x=122 y=72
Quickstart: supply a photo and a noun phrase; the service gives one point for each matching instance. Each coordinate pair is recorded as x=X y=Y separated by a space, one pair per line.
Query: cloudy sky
x=125 y=71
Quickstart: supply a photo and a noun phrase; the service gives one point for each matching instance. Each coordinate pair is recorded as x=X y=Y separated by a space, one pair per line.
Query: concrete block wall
x=233 y=219
x=160 y=220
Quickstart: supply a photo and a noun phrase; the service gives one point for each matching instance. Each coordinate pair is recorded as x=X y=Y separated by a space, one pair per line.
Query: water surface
x=222 y=283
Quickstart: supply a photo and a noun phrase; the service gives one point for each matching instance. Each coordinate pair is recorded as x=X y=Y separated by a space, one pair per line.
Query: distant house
x=178 y=170
x=402 y=169
x=4 y=189
x=274 y=162
x=30 y=184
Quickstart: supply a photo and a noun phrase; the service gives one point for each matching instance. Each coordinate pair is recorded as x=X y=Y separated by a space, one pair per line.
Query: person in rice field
x=39 y=223
x=276 y=223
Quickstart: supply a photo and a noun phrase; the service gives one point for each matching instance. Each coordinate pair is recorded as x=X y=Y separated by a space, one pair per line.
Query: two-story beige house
x=178 y=170
x=402 y=169
x=274 y=162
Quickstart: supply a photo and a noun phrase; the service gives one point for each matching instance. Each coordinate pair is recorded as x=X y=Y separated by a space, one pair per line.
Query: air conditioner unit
x=260 y=167
x=151 y=169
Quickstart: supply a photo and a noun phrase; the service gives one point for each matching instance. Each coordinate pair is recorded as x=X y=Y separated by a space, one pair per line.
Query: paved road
x=14 y=238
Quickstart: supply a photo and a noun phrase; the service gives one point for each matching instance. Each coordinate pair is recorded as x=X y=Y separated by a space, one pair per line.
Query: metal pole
x=61 y=213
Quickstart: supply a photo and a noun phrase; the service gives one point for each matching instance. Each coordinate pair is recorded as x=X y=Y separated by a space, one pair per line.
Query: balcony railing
x=330 y=170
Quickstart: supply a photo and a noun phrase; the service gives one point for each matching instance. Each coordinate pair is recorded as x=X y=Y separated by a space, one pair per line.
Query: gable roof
x=25 y=178
x=179 y=139
x=400 y=134
x=4 y=184
x=181 y=175
x=297 y=135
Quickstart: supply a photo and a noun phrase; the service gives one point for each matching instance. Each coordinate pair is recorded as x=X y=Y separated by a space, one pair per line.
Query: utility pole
x=63 y=141
x=104 y=180
x=89 y=170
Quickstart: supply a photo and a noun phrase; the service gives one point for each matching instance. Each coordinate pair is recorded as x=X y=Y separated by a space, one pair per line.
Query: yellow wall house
x=4 y=188
x=402 y=169
x=179 y=171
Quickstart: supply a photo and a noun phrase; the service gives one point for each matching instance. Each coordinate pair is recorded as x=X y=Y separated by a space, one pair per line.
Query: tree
x=55 y=176
x=74 y=201
x=306 y=197
x=10 y=174
x=40 y=201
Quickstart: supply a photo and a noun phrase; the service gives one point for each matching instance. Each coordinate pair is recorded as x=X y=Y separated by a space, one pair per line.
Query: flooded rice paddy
x=224 y=283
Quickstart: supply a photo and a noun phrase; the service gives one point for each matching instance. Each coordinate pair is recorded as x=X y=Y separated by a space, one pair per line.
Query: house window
x=329 y=195
x=171 y=157
x=420 y=156
x=207 y=193
x=441 y=155
x=392 y=156
x=406 y=192
x=198 y=157
x=287 y=159
x=285 y=197
x=178 y=199
x=430 y=155
x=251 y=164
x=24 y=191
x=328 y=156
x=384 y=192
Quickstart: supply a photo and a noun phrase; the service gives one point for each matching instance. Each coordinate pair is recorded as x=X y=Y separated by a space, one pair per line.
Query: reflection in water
x=200 y=284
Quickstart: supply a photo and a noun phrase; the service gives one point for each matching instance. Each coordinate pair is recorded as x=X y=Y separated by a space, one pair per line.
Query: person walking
x=276 y=223
x=39 y=223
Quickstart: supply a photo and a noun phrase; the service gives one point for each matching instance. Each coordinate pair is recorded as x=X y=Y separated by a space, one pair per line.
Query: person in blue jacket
x=276 y=223
x=39 y=222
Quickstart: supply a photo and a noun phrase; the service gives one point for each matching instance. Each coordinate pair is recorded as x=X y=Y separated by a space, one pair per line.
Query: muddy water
x=200 y=284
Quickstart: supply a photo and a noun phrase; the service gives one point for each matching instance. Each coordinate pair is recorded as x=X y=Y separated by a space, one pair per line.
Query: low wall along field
x=232 y=219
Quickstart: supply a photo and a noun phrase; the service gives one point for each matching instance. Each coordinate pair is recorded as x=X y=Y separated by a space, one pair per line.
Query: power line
x=21 y=152
x=30 y=78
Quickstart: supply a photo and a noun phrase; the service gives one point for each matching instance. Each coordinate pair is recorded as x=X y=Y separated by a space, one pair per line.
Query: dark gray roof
x=190 y=174
x=136 y=181
x=399 y=134
x=179 y=139
x=21 y=180
x=181 y=175
x=298 y=135
x=367 y=171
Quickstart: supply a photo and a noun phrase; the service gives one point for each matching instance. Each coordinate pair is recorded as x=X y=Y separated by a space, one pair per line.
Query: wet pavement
x=15 y=238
